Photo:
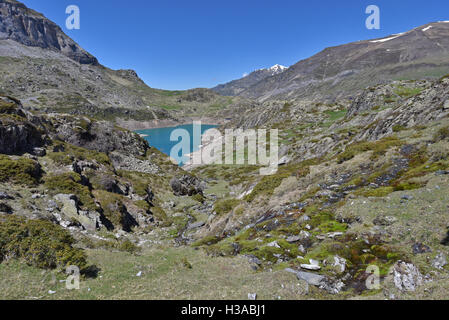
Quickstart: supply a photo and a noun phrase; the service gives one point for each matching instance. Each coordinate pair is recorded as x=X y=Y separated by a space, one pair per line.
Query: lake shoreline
x=133 y=125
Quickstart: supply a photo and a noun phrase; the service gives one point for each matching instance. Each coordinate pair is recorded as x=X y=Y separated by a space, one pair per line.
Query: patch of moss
x=398 y=128
x=406 y=92
x=379 y=192
x=209 y=240
x=336 y=115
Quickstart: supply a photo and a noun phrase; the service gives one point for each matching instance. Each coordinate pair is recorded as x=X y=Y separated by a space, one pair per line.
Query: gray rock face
x=30 y=28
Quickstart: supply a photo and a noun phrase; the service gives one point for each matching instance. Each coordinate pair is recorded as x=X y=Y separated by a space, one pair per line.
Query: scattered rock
x=284 y=160
x=130 y=163
x=273 y=244
x=314 y=265
x=419 y=248
x=254 y=262
x=310 y=278
x=5 y=196
x=406 y=276
x=407 y=197
x=293 y=239
x=252 y=296
x=196 y=225
x=333 y=235
x=40 y=152
x=384 y=220
x=304 y=235
x=440 y=261
x=340 y=263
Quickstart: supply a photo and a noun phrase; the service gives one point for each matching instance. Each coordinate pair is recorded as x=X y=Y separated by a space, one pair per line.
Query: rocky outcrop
x=186 y=185
x=17 y=134
x=124 y=162
x=419 y=103
x=70 y=210
x=96 y=135
x=31 y=28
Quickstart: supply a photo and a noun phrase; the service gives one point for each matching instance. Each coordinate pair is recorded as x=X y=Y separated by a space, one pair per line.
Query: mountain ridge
x=423 y=49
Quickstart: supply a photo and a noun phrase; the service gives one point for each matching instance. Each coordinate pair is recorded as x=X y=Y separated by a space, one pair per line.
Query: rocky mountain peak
x=30 y=28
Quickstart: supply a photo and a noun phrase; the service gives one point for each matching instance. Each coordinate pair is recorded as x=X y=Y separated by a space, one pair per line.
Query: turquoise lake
x=159 y=138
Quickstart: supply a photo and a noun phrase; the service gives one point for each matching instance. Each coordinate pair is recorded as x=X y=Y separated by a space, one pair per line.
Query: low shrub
x=22 y=171
x=39 y=243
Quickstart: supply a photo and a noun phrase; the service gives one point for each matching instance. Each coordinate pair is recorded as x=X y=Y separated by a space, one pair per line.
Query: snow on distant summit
x=277 y=68
x=235 y=87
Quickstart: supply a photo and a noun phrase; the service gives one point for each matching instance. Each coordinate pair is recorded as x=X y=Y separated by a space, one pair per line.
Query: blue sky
x=181 y=44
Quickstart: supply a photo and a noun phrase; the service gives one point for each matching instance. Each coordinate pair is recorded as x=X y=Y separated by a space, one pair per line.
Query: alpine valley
x=363 y=176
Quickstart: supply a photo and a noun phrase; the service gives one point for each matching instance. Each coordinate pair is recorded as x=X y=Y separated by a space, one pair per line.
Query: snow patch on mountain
x=385 y=40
